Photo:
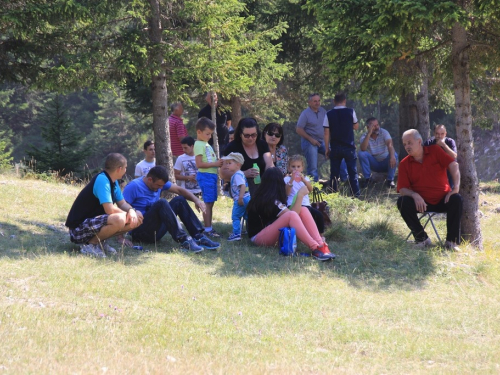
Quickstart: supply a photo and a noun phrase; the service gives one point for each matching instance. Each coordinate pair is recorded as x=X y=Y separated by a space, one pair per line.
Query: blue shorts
x=208 y=186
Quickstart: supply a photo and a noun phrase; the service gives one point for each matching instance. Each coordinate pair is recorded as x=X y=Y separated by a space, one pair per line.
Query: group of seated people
x=269 y=189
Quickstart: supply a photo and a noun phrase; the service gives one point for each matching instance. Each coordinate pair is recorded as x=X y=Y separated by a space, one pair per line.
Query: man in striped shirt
x=377 y=153
x=177 y=129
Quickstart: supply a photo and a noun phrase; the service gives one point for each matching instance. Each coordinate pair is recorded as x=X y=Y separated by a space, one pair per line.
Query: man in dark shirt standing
x=222 y=119
x=339 y=125
x=447 y=144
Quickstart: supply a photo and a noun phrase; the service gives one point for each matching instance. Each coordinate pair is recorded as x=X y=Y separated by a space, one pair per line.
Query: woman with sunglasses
x=273 y=135
x=248 y=142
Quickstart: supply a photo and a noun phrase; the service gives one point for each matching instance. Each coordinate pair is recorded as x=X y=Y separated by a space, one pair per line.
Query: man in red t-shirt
x=423 y=185
x=177 y=129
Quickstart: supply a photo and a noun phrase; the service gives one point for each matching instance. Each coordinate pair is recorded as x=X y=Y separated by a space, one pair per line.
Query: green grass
x=381 y=307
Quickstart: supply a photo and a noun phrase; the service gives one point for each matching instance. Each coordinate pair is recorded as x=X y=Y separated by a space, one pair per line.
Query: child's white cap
x=236 y=156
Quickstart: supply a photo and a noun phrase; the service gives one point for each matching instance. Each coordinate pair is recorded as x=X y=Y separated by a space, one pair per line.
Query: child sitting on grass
x=239 y=191
x=207 y=164
x=294 y=182
x=185 y=167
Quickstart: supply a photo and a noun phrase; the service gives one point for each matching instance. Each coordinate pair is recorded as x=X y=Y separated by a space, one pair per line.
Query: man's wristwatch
x=131 y=209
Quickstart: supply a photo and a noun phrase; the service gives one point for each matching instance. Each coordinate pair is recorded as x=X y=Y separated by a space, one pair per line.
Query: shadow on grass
x=374 y=256
x=373 y=259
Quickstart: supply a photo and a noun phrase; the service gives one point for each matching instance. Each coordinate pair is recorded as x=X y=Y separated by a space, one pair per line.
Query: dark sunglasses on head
x=277 y=135
x=254 y=135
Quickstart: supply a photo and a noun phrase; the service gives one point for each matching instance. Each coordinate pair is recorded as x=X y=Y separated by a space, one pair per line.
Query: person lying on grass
x=267 y=213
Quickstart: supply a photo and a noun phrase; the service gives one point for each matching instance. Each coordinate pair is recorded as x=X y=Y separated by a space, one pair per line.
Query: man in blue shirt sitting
x=160 y=215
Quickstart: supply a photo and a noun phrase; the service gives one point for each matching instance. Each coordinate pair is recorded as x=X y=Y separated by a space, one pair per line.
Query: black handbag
x=319 y=203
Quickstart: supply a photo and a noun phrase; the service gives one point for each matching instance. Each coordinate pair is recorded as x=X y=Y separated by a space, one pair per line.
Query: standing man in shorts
x=100 y=212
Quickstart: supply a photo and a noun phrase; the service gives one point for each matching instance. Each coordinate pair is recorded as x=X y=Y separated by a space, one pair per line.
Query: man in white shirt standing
x=142 y=168
x=377 y=153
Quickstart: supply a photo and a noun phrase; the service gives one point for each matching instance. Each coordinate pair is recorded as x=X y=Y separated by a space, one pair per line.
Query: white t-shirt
x=142 y=168
x=187 y=165
x=295 y=189
x=237 y=180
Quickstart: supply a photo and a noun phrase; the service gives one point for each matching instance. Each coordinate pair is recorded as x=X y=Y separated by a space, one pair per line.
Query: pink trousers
x=304 y=225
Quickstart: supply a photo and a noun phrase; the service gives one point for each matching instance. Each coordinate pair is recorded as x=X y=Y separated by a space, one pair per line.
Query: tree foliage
x=64 y=152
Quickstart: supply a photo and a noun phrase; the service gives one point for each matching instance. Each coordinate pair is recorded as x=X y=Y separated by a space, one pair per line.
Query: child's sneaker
x=234 y=237
x=212 y=233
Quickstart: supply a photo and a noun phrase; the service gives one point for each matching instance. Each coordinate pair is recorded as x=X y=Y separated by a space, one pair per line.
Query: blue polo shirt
x=139 y=196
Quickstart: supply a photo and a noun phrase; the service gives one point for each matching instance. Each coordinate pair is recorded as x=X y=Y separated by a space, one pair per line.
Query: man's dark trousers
x=453 y=209
x=337 y=153
x=162 y=218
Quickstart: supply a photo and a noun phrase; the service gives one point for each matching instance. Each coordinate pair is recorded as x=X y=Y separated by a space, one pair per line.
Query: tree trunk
x=422 y=103
x=235 y=110
x=159 y=95
x=214 y=120
x=469 y=186
x=407 y=117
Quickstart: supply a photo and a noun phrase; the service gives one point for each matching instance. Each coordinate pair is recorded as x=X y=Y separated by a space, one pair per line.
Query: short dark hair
x=147 y=144
x=187 y=141
x=247 y=122
x=339 y=97
x=158 y=172
x=370 y=119
x=174 y=106
x=312 y=95
x=439 y=126
x=204 y=123
x=271 y=127
x=114 y=161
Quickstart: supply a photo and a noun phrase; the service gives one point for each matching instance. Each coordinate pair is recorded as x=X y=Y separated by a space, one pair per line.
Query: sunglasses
x=254 y=135
x=270 y=133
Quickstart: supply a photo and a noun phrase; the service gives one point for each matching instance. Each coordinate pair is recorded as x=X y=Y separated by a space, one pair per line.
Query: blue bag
x=287 y=241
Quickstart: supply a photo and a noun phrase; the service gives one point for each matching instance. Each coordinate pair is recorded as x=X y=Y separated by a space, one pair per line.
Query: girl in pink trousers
x=267 y=213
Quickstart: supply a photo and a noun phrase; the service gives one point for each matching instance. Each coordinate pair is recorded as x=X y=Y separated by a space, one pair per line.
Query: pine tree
x=63 y=152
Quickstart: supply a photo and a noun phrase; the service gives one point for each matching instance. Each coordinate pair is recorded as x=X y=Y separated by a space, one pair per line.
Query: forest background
x=82 y=79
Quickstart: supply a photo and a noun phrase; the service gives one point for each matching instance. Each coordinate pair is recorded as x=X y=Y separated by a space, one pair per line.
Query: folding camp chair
x=429 y=216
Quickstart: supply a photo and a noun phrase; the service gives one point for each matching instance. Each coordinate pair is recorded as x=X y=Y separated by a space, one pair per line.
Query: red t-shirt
x=177 y=130
x=428 y=178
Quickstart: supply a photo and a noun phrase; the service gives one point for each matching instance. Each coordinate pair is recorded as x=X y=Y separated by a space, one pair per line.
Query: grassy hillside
x=381 y=307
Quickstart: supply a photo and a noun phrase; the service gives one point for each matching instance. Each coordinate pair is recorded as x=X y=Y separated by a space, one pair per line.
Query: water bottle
x=256 y=179
x=297 y=177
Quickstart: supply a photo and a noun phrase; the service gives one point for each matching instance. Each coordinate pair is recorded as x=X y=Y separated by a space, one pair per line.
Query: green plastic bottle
x=256 y=180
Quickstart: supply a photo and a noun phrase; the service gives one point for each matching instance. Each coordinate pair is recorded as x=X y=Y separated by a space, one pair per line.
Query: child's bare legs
x=207 y=216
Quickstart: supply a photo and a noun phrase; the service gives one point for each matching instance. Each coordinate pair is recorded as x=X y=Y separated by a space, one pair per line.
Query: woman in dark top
x=248 y=142
x=267 y=213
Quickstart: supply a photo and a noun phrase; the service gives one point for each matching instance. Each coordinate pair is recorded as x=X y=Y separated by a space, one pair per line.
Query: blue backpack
x=287 y=241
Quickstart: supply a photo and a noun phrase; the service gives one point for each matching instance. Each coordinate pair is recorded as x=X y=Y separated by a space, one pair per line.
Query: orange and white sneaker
x=323 y=253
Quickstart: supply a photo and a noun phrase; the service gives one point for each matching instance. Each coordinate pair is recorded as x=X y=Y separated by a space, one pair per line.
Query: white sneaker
x=92 y=250
x=108 y=249
x=451 y=246
x=425 y=243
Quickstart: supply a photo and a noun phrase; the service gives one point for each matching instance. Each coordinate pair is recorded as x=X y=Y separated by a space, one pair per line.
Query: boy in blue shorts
x=207 y=164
